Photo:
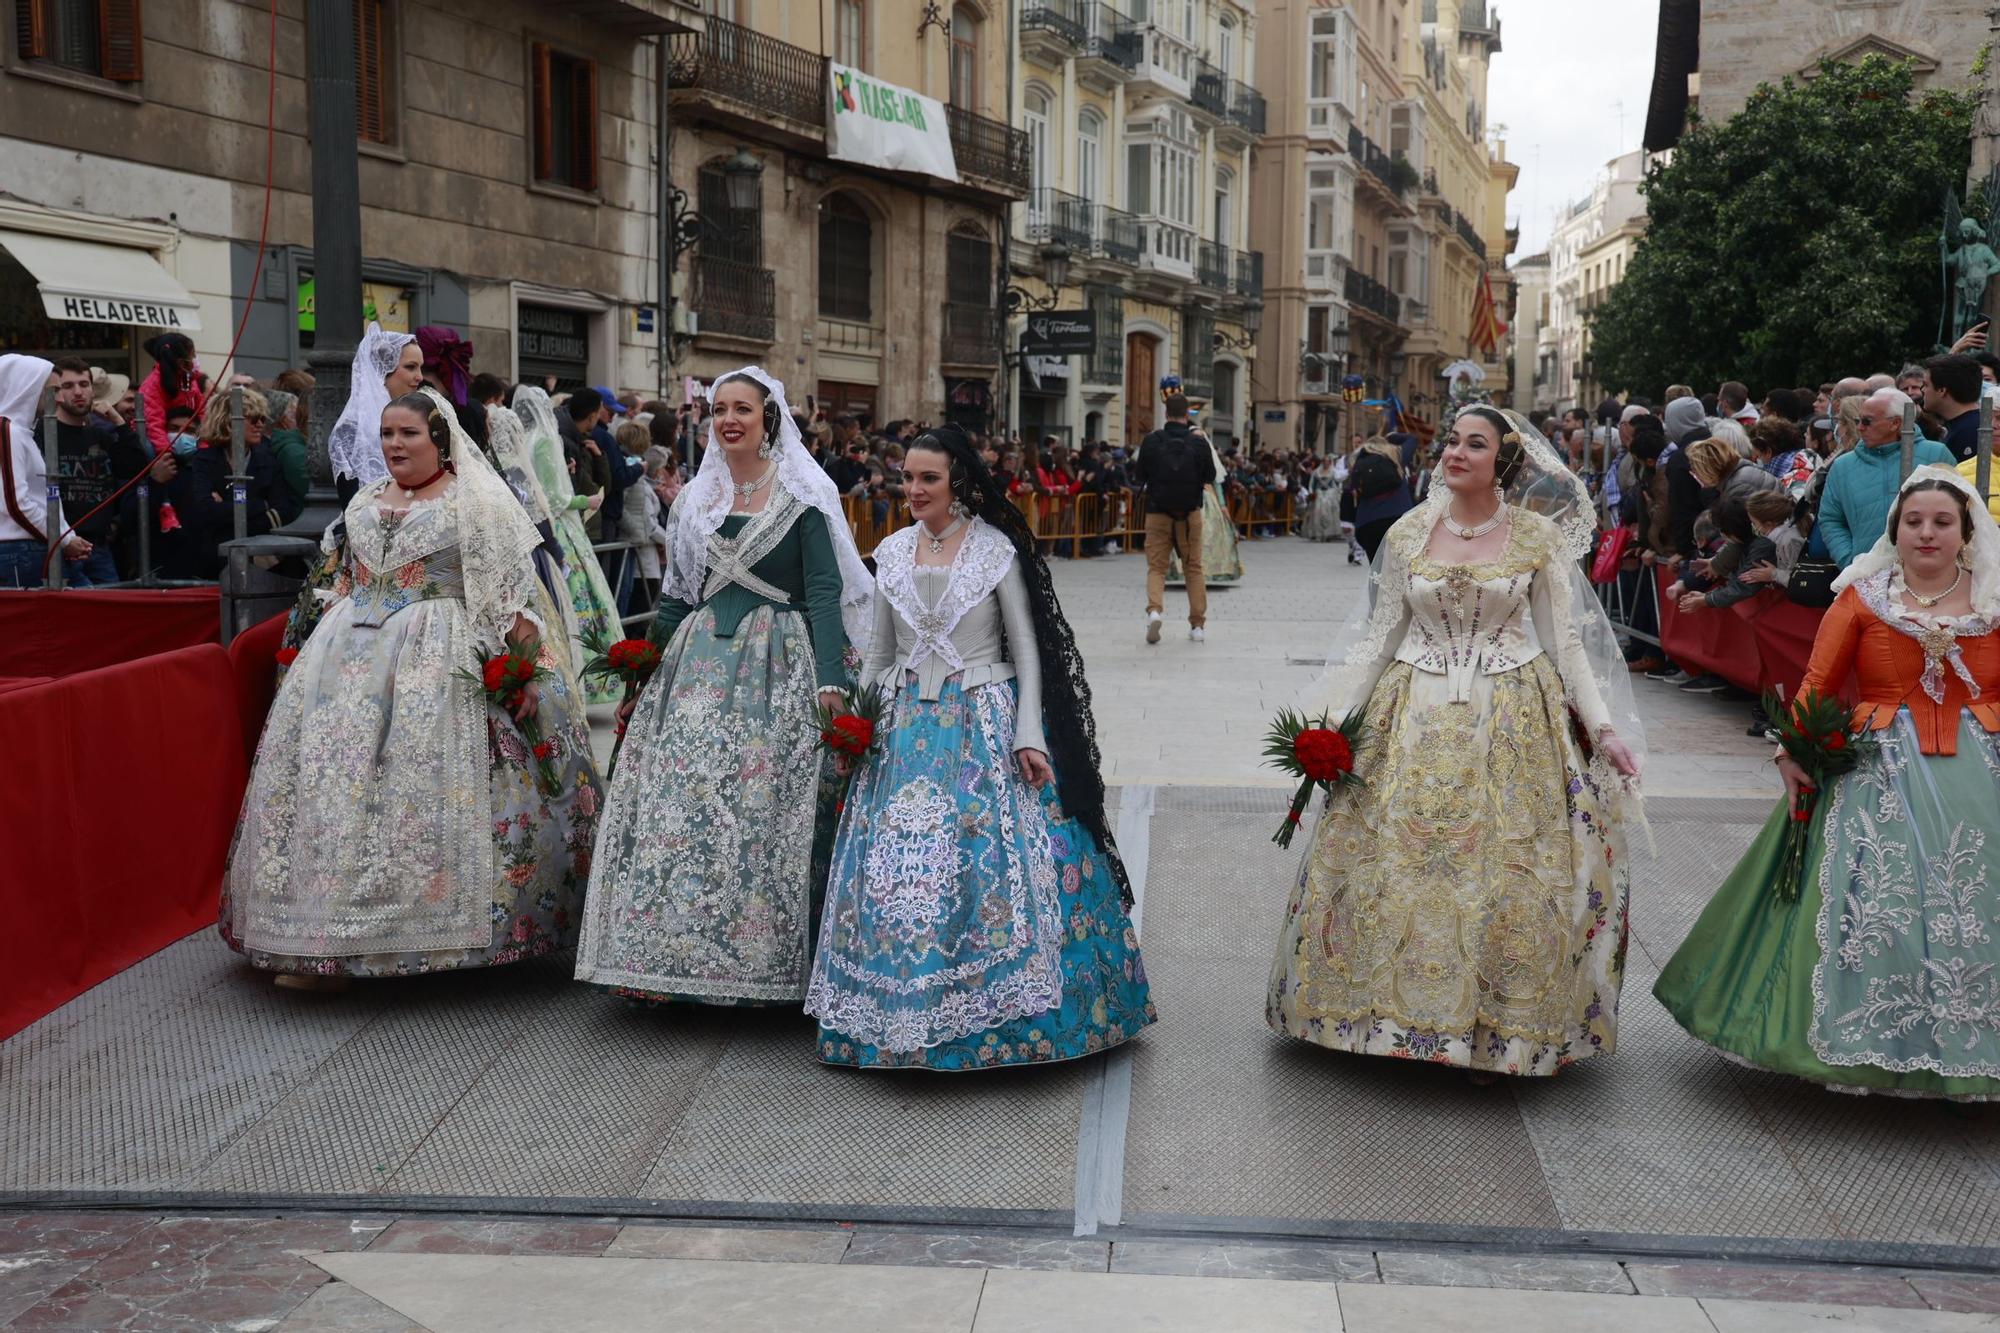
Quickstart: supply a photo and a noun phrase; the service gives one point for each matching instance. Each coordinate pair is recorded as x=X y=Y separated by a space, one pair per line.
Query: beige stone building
x=506 y=178
x=871 y=287
x=1378 y=204
x=1141 y=134
x=1714 y=53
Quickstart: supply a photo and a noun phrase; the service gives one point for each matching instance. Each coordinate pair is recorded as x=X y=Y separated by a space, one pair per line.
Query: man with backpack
x=1173 y=468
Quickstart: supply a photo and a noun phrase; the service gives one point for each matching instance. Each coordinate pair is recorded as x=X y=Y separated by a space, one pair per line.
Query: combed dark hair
x=583 y=402
x=175 y=354
x=1957 y=374
x=1512 y=455
x=1066 y=715
x=1775 y=435
x=436 y=422
x=486 y=385
x=763 y=396
x=1732 y=519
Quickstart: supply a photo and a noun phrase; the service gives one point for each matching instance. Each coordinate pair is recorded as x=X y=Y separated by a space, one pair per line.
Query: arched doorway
x=1141 y=386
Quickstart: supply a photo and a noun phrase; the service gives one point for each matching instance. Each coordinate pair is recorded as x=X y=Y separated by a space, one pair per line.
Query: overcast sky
x=1563 y=68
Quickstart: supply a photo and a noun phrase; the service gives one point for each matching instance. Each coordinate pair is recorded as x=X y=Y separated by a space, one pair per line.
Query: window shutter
x=544 y=149
x=31 y=29
x=120 y=40
x=371 y=119
x=585 y=152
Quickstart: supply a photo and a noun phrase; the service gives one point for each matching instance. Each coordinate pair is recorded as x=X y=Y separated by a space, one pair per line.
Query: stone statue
x=1967 y=266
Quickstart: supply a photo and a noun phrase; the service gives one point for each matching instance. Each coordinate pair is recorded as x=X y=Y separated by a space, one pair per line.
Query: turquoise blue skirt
x=969 y=923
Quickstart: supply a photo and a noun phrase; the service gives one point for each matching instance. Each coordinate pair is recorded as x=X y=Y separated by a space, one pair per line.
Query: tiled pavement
x=78 y=1272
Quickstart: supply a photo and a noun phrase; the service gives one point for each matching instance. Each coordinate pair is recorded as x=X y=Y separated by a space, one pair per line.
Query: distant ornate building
x=1712 y=54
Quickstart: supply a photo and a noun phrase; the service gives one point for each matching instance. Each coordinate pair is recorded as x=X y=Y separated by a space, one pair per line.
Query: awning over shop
x=102 y=284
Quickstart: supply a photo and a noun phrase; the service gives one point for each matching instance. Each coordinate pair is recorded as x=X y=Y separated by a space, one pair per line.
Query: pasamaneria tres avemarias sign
x=881 y=125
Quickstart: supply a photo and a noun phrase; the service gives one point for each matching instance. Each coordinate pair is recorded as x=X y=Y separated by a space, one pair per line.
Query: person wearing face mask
x=1866 y=973
x=1465 y=904
x=720 y=813
x=397 y=820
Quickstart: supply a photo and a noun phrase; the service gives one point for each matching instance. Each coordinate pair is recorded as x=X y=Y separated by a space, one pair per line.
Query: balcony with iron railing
x=851 y=336
x=1115 y=234
x=1208 y=88
x=733 y=299
x=730 y=64
x=1168 y=247
x=989 y=149
x=1113 y=45
x=1212 y=265
x=1326 y=270
x=1054 y=29
x=1393 y=175
x=1247 y=111
x=1249 y=273
x=971 y=335
x=1468 y=233
x=1365 y=293
x=1059 y=216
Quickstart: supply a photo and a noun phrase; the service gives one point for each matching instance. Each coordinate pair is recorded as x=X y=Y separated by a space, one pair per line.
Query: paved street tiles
x=742 y=1244
x=1287 y=1263
x=1759 y=1317
x=1020 y=1302
x=1391 y=1309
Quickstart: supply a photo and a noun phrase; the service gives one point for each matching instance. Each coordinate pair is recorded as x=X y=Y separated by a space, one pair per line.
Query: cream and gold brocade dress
x=1467 y=904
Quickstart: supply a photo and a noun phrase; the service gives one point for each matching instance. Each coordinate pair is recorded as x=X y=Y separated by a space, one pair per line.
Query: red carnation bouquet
x=1815 y=731
x=505 y=677
x=1319 y=754
x=630 y=660
x=850 y=729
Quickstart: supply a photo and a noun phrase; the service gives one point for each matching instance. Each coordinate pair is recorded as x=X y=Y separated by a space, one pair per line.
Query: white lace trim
x=1882 y=593
x=983 y=559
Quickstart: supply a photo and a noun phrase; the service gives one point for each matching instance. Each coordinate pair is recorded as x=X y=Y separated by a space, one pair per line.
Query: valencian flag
x=1486 y=325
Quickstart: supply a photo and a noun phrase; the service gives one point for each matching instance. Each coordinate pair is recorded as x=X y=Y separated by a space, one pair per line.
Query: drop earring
x=957 y=510
x=764 y=450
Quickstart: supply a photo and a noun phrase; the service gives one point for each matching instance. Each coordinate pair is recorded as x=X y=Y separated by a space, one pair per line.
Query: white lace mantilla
x=983 y=559
x=1938 y=636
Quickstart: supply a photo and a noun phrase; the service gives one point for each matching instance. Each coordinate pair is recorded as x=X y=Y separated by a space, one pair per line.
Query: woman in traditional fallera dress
x=1882 y=972
x=721 y=804
x=975 y=914
x=593 y=609
x=1466 y=904
x=394 y=822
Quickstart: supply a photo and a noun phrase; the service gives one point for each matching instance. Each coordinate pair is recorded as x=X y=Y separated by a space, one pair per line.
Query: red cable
x=256 y=271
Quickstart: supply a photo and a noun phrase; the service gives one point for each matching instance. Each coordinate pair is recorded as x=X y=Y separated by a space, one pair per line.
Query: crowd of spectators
x=1735 y=497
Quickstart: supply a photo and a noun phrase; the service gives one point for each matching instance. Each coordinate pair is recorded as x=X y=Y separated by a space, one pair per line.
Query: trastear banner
x=881 y=125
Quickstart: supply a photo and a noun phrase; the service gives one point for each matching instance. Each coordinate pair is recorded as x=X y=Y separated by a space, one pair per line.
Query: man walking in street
x=1172 y=469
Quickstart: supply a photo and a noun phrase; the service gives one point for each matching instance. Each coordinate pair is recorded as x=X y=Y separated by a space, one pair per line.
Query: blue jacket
x=1861 y=488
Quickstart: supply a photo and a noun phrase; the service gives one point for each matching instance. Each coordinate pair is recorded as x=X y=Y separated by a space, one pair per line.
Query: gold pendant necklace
x=1928 y=602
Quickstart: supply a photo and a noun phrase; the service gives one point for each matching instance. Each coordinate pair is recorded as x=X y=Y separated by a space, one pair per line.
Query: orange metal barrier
x=1075 y=524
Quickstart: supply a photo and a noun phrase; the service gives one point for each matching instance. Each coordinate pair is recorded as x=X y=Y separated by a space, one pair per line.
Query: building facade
x=1532 y=368
x=873 y=288
x=1589 y=250
x=1142 y=130
x=1378 y=201
x=506 y=180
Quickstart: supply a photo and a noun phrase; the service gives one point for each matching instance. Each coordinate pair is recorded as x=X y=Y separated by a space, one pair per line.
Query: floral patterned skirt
x=969 y=923
x=1880 y=976
x=1467 y=905
x=703 y=885
x=338 y=774
x=1220 y=562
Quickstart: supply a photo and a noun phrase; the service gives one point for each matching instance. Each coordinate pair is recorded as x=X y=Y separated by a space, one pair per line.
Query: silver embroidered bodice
x=968 y=621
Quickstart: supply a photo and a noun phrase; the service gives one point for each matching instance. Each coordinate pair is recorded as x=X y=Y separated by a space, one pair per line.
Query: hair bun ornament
x=1511 y=437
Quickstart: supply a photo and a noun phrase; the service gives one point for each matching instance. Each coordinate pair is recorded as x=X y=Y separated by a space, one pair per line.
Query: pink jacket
x=157 y=402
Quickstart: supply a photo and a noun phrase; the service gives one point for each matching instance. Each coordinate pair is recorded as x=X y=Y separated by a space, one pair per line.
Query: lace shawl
x=983 y=559
x=1882 y=593
x=355 y=443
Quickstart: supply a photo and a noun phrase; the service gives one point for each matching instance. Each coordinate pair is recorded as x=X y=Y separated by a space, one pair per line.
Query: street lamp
x=742 y=178
x=1253 y=320
x=1055 y=273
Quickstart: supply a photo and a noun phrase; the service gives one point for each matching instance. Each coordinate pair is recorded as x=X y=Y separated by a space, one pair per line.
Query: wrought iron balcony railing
x=1468 y=233
x=1370 y=295
x=1394 y=172
x=989 y=149
x=1057 y=215
x=739 y=300
x=1246 y=107
x=730 y=61
x=1250 y=273
x=1115 y=234
x=1110 y=36
x=1212 y=266
x=1208 y=88
x=1066 y=20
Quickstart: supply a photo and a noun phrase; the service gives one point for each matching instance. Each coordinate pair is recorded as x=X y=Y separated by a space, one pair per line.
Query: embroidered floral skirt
x=596 y=609
x=1884 y=974
x=1220 y=562
x=1467 y=905
x=968 y=923
x=352 y=815
x=704 y=883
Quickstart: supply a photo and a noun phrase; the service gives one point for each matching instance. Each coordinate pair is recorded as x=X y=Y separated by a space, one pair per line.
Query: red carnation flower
x=287 y=656
x=494 y=674
x=848 y=734
x=1837 y=741
x=546 y=750
x=1323 y=753
x=1800 y=814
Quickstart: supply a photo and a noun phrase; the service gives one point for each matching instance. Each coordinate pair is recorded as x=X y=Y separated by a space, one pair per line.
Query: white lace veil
x=1547 y=487
x=1983 y=550
x=515 y=461
x=704 y=502
x=355 y=443
x=538 y=418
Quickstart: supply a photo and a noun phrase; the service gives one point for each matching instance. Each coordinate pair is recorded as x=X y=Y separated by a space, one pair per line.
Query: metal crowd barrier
x=1085 y=521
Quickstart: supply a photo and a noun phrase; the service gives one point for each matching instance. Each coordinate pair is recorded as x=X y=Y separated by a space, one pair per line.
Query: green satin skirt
x=1744 y=980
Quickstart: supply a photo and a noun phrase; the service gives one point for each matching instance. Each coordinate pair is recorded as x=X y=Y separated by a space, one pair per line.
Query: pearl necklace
x=1928 y=602
x=938 y=539
x=1474 y=533
x=746 y=489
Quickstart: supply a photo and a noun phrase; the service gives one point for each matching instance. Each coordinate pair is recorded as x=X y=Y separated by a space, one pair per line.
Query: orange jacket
x=1888 y=666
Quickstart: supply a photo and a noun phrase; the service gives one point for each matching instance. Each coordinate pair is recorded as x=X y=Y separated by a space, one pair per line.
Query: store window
x=98 y=37
x=374 y=72
x=846 y=260
x=553 y=343
x=563 y=102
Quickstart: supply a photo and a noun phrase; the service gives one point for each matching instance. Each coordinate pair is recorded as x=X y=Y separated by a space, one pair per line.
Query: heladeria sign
x=881 y=125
